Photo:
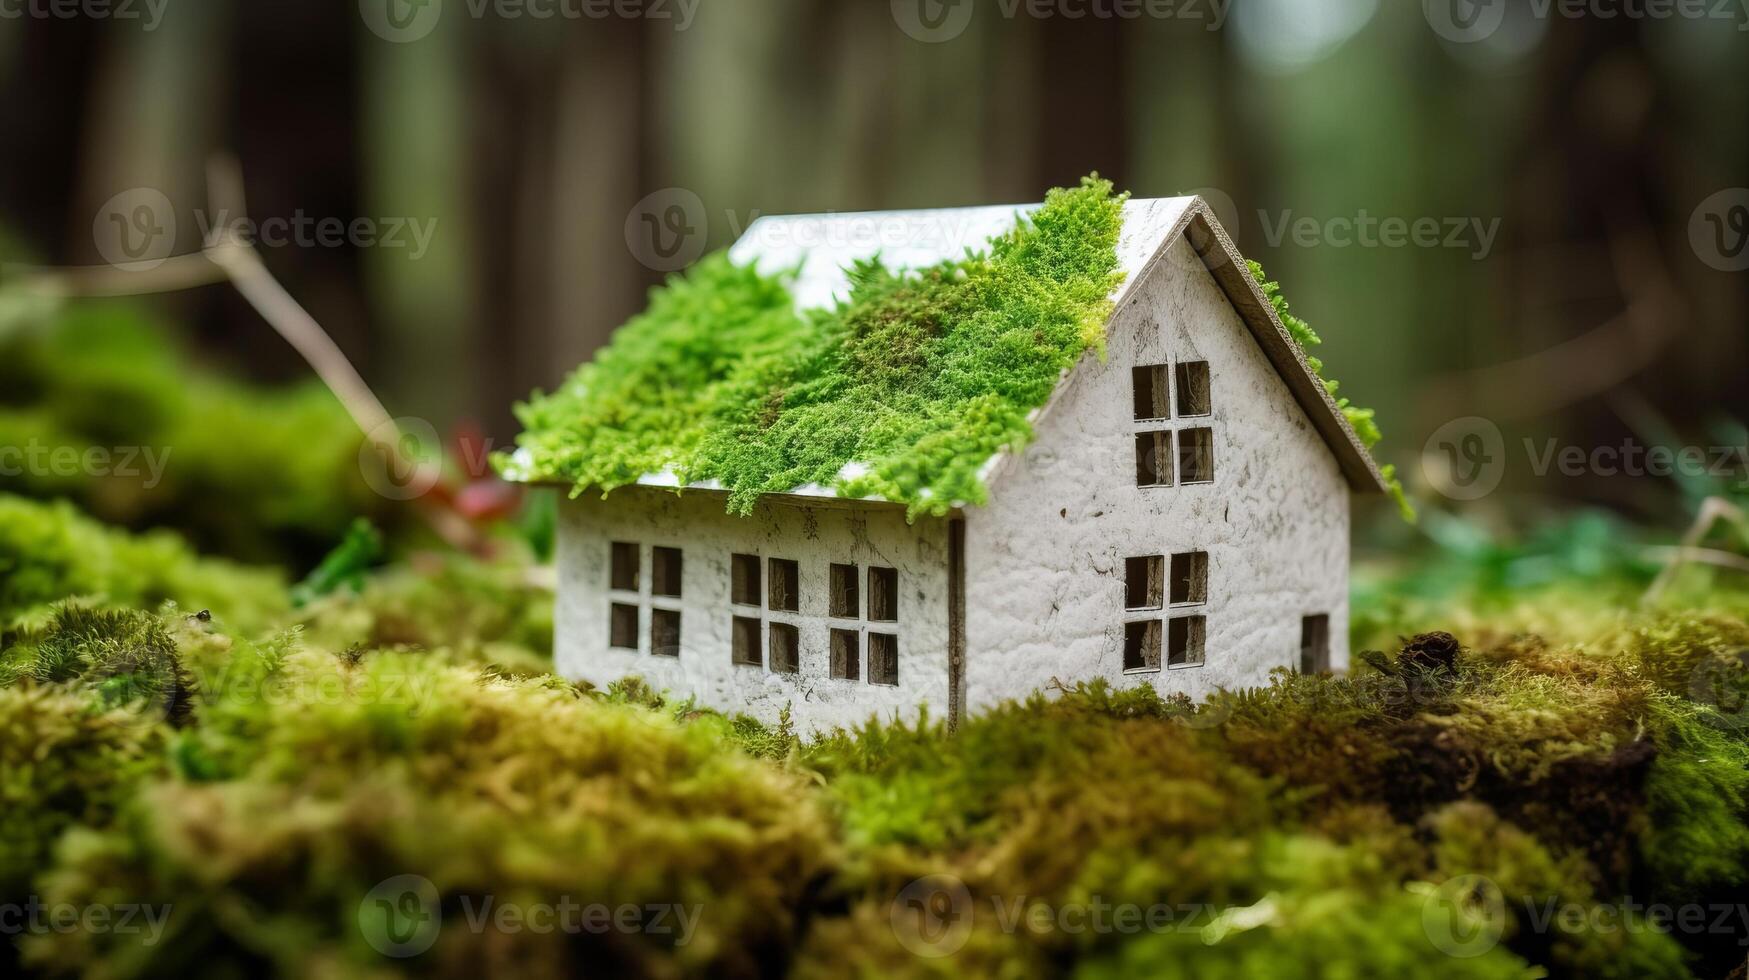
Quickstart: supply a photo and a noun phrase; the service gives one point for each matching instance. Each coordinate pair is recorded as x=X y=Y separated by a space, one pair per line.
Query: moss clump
x=918 y=378
x=331 y=777
x=258 y=474
x=63 y=764
x=49 y=552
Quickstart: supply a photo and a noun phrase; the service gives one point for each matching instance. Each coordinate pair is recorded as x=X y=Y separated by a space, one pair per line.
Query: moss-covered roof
x=846 y=356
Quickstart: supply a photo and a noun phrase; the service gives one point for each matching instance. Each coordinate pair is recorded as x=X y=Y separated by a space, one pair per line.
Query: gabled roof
x=823 y=246
x=814 y=254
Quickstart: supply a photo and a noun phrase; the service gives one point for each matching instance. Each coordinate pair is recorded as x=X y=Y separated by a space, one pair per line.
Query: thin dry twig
x=227 y=257
x=1712 y=510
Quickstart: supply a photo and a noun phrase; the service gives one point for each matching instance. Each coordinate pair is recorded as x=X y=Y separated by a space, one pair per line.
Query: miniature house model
x=1179 y=520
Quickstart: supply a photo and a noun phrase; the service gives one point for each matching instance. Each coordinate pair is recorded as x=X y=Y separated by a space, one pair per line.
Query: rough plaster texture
x=1045 y=560
x=813 y=534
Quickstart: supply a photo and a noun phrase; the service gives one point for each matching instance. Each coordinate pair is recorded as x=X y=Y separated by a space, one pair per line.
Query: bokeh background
x=1592 y=166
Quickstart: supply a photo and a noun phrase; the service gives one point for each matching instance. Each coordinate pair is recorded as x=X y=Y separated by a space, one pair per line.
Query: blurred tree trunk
x=417 y=150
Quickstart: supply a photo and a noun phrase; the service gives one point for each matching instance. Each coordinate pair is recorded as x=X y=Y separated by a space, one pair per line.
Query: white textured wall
x=1045 y=561
x=815 y=536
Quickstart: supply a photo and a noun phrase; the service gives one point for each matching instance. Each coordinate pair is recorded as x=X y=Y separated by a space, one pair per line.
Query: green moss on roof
x=917 y=379
x=1363 y=419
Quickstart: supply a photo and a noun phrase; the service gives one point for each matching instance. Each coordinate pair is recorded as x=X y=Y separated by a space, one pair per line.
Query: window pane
x=846 y=655
x=744 y=636
x=625 y=567
x=665 y=632
x=1150 y=392
x=1143 y=582
x=1196 y=456
x=622 y=626
x=1141 y=645
x=1184 y=639
x=1190 y=577
x=744 y=580
x=883 y=595
x=785 y=648
x=883 y=658
x=1315 y=644
x=665 y=572
x=1153 y=459
x=845 y=601
x=1193 y=388
x=785 y=585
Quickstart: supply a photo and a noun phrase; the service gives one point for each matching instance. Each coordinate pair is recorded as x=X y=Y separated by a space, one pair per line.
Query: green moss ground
x=261 y=780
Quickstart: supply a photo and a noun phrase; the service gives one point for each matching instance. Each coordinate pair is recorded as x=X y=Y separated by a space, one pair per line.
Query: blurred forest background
x=531 y=143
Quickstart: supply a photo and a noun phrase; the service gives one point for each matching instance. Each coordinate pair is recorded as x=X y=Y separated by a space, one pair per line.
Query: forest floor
x=1549 y=779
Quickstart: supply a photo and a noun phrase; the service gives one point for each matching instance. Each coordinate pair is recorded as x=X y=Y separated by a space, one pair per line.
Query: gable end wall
x=1045 y=560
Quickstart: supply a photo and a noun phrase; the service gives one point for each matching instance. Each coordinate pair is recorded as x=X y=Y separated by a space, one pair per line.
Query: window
x=665 y=632
x=1184 y=640
x=1315 y=644
x=744 y=638
x=1141 y=646
x=624 y=563
x=744 y=580
x=1190 y=578
x=1144 y=582
x=622 y=626
x=785 y=585
x=883 y=659
x=665 y=572
x=1196 y=455
x=1181 y=580
x=786 y=645
x=1173 y=456
x=883 y=594
x=1150 y=392
x=846 y=654
x=1153 y=459
x=1193 y=389
x=845 y=602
